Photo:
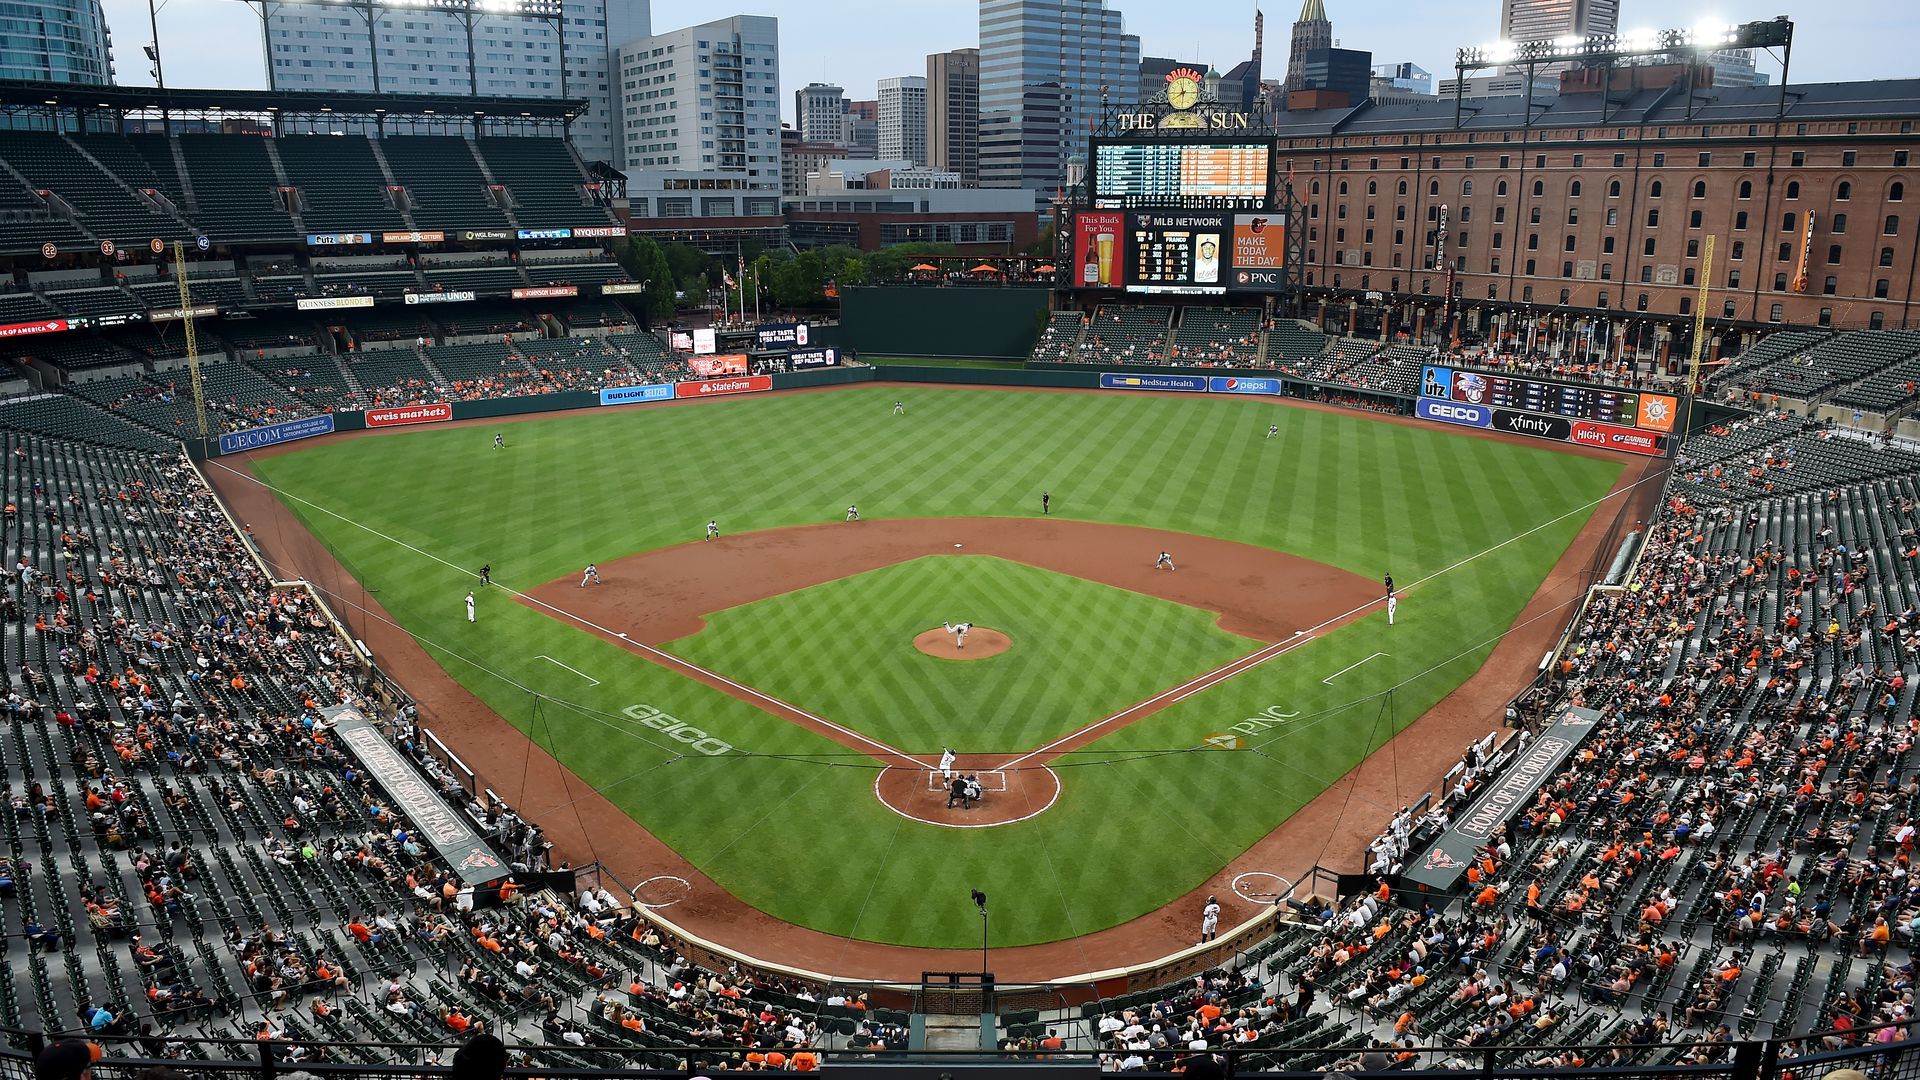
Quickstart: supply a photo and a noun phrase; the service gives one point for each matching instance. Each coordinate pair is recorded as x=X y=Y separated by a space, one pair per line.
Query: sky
x=855 y=43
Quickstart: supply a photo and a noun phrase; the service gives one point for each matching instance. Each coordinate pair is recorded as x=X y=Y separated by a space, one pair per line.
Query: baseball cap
x=68 y=1059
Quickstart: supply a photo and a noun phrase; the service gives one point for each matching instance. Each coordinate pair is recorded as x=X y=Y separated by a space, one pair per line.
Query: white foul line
x=1329 y=679
x=575 y=670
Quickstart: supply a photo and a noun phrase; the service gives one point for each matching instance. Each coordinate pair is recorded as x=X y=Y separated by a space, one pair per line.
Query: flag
x=726 y=277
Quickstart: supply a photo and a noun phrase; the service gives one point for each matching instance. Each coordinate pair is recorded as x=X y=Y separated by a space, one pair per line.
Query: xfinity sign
x=1453 y=412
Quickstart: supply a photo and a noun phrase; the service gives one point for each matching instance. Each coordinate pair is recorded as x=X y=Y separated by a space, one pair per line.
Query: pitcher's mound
x=981 y=643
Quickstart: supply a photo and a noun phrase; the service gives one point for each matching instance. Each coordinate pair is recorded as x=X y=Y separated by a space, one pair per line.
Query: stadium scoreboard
x=1182 y=174
x=1638 y=422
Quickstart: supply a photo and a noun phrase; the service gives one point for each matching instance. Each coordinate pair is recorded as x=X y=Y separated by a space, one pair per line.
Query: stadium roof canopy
x=18 y=95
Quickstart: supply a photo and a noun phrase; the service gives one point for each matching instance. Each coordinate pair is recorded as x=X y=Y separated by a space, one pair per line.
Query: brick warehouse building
x=1594 y=216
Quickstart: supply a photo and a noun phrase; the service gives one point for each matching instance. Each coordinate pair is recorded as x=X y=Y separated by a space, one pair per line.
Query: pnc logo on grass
x=673 y=728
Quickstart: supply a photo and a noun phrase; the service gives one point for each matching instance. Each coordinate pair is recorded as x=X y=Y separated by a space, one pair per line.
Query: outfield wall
x=908 y=320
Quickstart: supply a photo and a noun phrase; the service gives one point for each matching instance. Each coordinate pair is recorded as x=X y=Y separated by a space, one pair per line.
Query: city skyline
x=216 y=43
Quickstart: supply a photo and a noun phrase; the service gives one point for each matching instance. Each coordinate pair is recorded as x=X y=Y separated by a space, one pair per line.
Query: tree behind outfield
x=646 y=263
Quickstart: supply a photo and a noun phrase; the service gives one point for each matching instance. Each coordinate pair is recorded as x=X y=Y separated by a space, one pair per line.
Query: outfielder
x=469 y=605
x=1210 y=920
x=1165 y=559
x=899 y=408
x=946 y=763
x=853 y=513
x=499 y=441
x=713 y=530
x=959 y=632
x=1273 y=431
x=590 y=575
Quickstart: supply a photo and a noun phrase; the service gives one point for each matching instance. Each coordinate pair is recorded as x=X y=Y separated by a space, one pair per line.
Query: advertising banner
x=335 y=239
x=454 y=296
x=627 y=395
x=801 y=359
x=1112 y=380
x=328 y=303
x=1657 y=412
x=44 y=326
x=233 y=442
x=545 y=234
x=174 y=314
x=454 y=838
x=1556 y=428
x=430 y=236
x=600 y=230
x=1615 y=437
x=680 y=341
x=1447 y=861
x=619 y=288
x=486 y=234
x=1233 y=384
x=704 y=341
x=1097 y=247
x=713 y=387
x=545 y=292
x=712 y=367
x=409 y=414
x=1259 y=252
x=784 y=335
x=1453 y=412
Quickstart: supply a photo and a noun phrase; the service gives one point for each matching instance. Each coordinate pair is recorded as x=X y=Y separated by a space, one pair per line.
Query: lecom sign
x=409 y=414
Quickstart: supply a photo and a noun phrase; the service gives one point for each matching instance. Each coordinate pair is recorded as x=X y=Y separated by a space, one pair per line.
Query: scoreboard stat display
x=1181 y=174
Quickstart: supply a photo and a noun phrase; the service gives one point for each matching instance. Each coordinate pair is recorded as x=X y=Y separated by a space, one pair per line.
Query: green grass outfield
x=807 y=842
x=1058 y=677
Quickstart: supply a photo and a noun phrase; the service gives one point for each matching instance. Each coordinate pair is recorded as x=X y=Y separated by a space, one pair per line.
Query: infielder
x=899 y=408
x=1165 y=559
x=853 y=513
x=1273 y=431
x=1210 y=920
x=713 y=530
x=1046 y=502
x=946 y=764
x=590 y=575
x=959 y=632
x=499 y=441
x=469 y=605
x=1393 y=605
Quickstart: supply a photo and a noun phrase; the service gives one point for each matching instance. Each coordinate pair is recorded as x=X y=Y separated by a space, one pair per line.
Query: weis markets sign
x=453 y=837
x=409 y=414
x=233 y=442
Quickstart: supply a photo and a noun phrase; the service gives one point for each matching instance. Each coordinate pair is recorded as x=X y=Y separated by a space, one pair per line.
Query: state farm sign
x=713 y=387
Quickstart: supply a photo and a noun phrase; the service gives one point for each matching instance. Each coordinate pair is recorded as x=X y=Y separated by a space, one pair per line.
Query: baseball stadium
x=440 y=643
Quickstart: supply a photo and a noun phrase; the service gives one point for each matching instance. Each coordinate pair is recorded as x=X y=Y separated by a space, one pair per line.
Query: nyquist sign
x=1453 y=412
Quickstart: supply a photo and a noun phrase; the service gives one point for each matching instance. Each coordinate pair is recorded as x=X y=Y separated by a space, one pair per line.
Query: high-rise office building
x=1312 y=30
x=61 y=41
x=903 y=118
x=863 y=129
x=953 y=114
x=1544 y=20
x=1046 y=67
x=706 y=99
x=324 y=46
x=1735 y=67
x=820 y=113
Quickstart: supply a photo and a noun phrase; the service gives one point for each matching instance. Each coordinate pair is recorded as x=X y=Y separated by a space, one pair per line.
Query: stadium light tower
x=552 y=12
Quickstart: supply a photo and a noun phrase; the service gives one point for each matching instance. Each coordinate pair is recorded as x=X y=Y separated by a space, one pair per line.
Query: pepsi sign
x=1453 y=412
x=1233 y=384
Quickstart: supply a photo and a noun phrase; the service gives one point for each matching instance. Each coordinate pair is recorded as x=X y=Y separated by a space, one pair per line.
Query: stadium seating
x=443 y=180
x=103 y=301
x=1059 y=341
x=66 y=417
x=26 y=222
x=487 y=281
x=1289 y=338
x=341 y=186
x=573 y=363
x=314 y=377
x=1209 y=335
x=544 y=179
x=235 y=190
x=165 y=292
x=578 y=273
x=394 y=376
x=595 y=313
x=23 y=307
x=104 y=205
x=1127 y=334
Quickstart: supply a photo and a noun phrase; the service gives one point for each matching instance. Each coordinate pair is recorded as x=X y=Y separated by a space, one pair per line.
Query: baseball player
x=959 y=632
x=591 y=575
x=1393 y=605
x=1165 y=559
x=899 y=408
x=486 y=574
x=713 y=530
x=853 y=513
x=1210 y=920
x=469 y=605
x=1273 y=431
x=499 y=440
x=974 y=791
x=1046 y=502
x=946 y=763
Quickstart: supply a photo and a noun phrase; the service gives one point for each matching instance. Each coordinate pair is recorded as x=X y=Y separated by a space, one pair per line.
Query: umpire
x=957 y=791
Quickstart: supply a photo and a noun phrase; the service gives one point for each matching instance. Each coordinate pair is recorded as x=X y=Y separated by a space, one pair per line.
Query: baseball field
x=758 y=702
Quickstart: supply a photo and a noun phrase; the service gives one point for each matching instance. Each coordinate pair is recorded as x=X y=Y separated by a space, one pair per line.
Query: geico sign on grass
x=673 y=728
x=1272 y=716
